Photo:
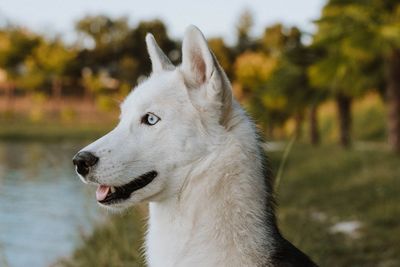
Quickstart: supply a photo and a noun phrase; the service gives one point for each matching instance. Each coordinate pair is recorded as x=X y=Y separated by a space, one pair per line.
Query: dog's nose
x=83 y=161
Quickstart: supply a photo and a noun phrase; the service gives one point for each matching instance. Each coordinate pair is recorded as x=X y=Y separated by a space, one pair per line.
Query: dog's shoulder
x=287 y=255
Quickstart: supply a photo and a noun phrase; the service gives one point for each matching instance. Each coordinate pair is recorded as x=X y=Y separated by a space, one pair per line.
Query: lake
x=44 y=207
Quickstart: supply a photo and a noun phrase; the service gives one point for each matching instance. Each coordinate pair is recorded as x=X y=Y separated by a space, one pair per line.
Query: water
x=44 y=207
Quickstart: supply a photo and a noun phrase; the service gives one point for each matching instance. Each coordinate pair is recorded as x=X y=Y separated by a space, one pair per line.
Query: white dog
x=184 y=145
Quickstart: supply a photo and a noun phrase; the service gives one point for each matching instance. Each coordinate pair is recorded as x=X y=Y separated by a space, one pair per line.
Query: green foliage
x=53 y=57
x=243 y=30
x=274 y=81
x=32 y=77
x=128 y=68
x=103 y=31
x=31 y=61
x=105 y=103
x=369 y=119
x=114 y=47
x=135 y=44
x=224 y=54
x=290 y=76
x=252 y=71
x=16 y=44
x=91 y=82
x=361 y=41
x=273 y=40
x=356 y=36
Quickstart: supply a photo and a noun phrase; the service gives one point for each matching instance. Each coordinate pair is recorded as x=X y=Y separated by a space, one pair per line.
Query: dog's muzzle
x=83 y=161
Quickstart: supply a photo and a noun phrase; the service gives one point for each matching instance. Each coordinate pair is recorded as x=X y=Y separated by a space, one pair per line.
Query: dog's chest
x=175 y=241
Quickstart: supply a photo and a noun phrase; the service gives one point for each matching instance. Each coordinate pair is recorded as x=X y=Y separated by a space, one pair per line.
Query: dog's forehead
x=159 y=88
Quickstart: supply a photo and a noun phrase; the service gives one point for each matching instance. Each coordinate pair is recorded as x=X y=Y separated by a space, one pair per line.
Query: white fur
x=208 y=205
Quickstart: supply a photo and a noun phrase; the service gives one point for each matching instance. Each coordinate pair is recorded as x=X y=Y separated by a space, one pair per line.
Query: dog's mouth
x=108 y=195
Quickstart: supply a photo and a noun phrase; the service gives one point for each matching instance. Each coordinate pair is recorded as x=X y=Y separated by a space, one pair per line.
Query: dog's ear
x=197 y=61
x=200 y=67
x=159 y=60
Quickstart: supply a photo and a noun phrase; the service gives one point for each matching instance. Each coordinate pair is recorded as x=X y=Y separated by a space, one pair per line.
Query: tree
x=104 y=40
x=91 y=83
x=16 y=45
x=252 y=71
x=370 y=31
x=290 y=76
x=274 y=40
x=344 y=70
x=243 y=30
x=51 y=59
x=134 y=45
x=101 y=32
x=224 y=54
x=119 y=49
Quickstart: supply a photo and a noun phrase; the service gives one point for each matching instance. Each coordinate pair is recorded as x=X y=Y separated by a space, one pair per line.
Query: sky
x=213 y=17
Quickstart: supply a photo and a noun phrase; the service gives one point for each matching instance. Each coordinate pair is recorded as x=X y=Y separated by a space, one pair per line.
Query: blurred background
x=321 y=78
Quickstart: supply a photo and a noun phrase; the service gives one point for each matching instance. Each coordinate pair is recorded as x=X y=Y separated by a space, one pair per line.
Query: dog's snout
x=83 y=161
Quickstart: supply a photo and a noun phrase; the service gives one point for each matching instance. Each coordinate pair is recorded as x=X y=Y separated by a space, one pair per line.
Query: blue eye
x=150 y=119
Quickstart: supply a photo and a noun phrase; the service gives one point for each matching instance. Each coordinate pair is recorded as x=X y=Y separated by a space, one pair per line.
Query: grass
x=327 y=185
x=319 y=188
x=51 y=131
x=37 y=118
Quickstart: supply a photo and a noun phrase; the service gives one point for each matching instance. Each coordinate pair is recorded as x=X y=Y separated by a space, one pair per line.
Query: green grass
x=323 y=186
x=50 y=131
x=319 y=188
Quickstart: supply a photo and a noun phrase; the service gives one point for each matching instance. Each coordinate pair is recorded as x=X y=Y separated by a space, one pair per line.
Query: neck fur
x=224 y=215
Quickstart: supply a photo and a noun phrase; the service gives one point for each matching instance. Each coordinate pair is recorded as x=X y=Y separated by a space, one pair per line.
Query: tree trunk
x=298 y=124
x=344 y=110
x=314 y=133
x=393 y=100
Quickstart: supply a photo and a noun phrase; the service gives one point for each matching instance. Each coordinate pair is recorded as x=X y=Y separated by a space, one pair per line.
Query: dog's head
x=167 y=124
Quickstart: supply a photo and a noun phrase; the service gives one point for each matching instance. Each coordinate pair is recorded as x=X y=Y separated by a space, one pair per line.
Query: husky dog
x=185 y=146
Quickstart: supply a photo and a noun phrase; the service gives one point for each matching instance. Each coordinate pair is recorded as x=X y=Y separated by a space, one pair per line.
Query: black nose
x=83 y=161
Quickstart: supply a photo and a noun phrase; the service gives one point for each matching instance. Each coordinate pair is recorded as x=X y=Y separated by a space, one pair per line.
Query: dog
x=184 y=145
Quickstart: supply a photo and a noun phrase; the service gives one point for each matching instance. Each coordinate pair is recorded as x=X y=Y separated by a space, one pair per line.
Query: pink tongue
x=102 y=192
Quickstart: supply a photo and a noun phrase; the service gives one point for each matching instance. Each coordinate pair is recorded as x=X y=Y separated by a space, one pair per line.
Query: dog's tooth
x=112 y=189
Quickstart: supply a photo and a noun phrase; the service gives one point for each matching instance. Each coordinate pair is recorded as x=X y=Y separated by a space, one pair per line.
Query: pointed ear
x=200 y=67
x=197 y=61
x=159 y=60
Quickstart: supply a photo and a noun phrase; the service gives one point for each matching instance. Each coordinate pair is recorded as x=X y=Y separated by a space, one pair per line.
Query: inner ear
x=199 y=66
x=197 y=60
